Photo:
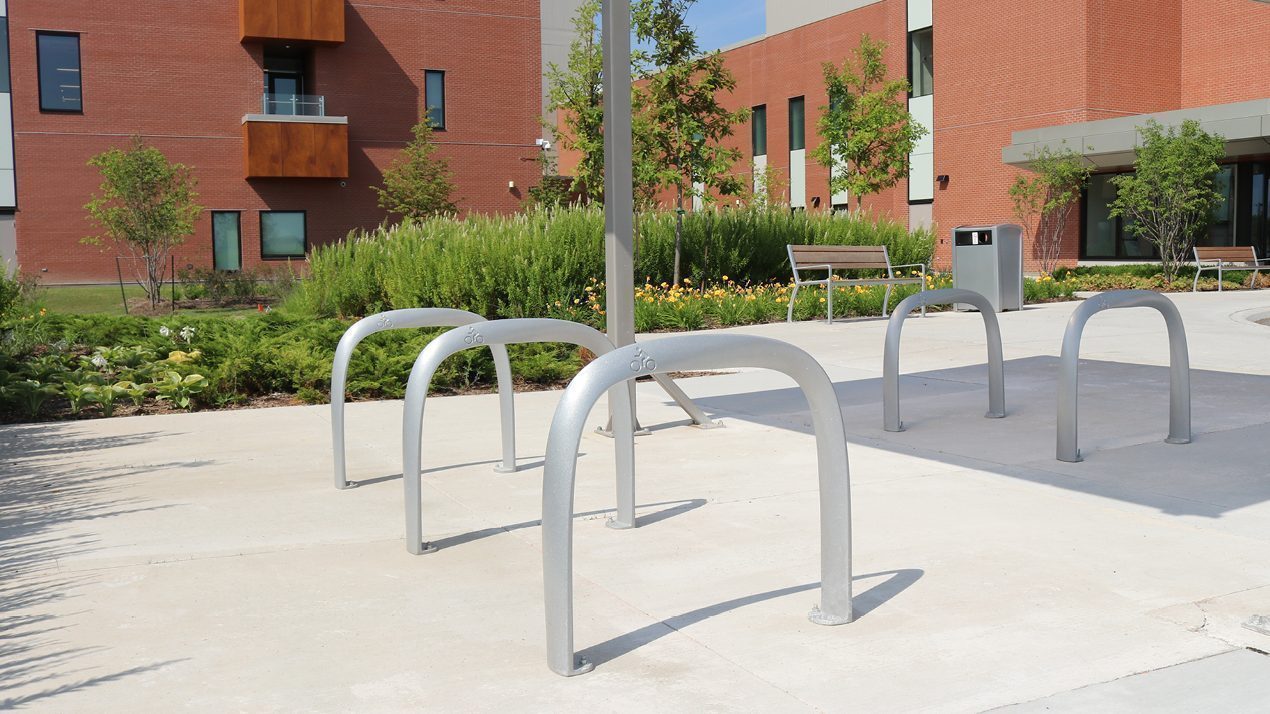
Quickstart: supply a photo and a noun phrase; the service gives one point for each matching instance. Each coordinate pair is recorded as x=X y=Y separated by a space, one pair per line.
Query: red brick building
x=287 y=110
x=1014 y=75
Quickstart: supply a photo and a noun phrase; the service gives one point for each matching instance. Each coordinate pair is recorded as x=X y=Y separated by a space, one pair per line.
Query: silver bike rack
x=689 y=352
x=891 y=356
x=496 y=334
x=1179 y=366
x=401 y=320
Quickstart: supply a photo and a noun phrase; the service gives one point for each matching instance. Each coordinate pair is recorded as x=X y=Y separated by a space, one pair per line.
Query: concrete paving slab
x=204 y=562
x=1234 y=682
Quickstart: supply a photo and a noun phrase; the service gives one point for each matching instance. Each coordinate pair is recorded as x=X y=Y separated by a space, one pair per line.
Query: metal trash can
x=989 y=261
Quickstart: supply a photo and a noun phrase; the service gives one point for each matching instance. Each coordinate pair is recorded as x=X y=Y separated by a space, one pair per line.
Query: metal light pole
x=619 y=194
x=619 y=197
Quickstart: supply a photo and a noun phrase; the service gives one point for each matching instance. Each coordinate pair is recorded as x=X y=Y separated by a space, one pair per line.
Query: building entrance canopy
x=1109 y=143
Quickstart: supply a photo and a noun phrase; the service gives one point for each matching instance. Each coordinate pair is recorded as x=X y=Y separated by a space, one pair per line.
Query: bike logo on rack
x=384 y=323
x=643 y=362
x=473 y=337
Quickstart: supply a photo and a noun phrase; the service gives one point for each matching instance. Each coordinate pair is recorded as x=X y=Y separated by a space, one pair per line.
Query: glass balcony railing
x=296 y=105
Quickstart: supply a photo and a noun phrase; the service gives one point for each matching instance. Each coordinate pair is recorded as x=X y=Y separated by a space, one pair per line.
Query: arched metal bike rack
x=401 y=320
x=1179 y=366
x=496 y=334
x=690 y=352
x=891 y=356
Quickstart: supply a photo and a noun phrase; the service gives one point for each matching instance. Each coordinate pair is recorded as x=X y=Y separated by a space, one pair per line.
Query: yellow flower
x=822 y=299
x=725 y=277
x=687 y=281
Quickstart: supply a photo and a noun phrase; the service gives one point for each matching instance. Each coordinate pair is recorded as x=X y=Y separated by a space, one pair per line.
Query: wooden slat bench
x=1240 y=258
x=832 y=258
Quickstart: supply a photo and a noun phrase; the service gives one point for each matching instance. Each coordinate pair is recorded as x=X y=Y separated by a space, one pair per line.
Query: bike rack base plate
x=820 y=618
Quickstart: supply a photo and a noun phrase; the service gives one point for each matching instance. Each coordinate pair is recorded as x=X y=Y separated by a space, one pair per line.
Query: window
x=1101 y=229
x=4 y=55
x=758 y=130
x=921 y=63
x=227 y=244
x=434 y=97
x=797 y=124
x=282 y=234
x=57 y=58
x=1106 y=237
x=1222 y=230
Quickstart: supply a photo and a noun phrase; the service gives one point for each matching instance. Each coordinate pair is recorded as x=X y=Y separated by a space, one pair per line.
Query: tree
x=866 y=132
x=576 y=92
x=767 y=189
x=418 y=184
x=1170 y=196
x=682 y=120
x=554 y=190
x=1047 y=197
x=146 y=207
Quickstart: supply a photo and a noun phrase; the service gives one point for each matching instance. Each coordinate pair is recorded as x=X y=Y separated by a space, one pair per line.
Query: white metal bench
x=1221 y=259
x=831 y=258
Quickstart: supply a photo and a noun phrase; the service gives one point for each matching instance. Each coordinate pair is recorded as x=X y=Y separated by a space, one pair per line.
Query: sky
x=720 y=23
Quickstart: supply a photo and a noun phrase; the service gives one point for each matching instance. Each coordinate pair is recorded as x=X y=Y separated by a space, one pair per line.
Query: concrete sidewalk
x=203 y=562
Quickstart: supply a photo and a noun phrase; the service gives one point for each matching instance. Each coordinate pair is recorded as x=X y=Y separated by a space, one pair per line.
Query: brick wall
x=1224 y=51
x=175 y=73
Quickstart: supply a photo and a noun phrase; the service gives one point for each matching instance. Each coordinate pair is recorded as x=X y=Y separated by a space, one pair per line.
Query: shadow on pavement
x=1123 y=422
x=676 y=508
x=864 y=603
x=48 y=479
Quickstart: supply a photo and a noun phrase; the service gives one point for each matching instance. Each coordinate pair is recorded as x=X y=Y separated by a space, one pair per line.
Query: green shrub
x=93 y=364
x=236 y=288
x=1149 y=276
x=10 y=294
x=521 y=266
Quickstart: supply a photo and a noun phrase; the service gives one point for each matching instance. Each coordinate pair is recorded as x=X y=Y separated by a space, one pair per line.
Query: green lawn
x=86 y=299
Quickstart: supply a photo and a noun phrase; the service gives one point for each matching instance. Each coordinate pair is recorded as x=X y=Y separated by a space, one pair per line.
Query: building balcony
x=293 y=105
x=316 y=21
x=295 y=145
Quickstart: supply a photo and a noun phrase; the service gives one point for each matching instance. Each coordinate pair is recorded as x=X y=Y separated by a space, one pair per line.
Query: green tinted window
x=758 y=130
x=797 y=124
x=227 y=246
x=921 y=62
x=434 y=96
x=282 y=234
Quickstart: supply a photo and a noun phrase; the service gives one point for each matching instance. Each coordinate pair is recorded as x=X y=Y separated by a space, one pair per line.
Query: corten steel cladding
x=891 y=356
x=611 y=373
x=406 y=319
x=496 y=334
x=1179 y=366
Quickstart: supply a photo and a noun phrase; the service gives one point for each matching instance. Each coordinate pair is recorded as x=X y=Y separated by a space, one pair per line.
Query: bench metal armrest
x=800 y=281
